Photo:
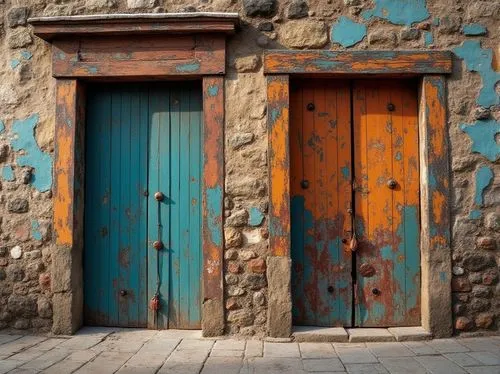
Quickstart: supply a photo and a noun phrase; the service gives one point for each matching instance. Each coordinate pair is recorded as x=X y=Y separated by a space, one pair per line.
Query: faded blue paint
x=92 y=69
x=442 y=276
x=275 y=113
x=255 y=216
x=346 y=32
x=374 y=314
x=475 y=214
x=428 y=38
x=35 y=230
x=188 y=68
x=483 y=135
x=27 y=55
x=41 y=162
x=432 y=180
x=214 y=210
x=213 y=90
x=408 y=274
x=346 y=172
x=14 y=63
x=484 y=176
x=436 y=21
x=479 y=60
x=325 y=64
x=386 y=252
x=2 y=126
x=8 y=173
x=398 y=156
x=399 y=12
x=474 y=29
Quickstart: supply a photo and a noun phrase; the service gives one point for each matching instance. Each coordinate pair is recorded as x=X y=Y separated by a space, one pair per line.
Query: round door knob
x=159 y=196
x=157 y=244
x=376 y=291
x=392 y=184
x=123 y=292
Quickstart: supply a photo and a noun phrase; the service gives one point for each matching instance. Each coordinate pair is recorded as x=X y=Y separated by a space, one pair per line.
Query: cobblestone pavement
x=102 y=350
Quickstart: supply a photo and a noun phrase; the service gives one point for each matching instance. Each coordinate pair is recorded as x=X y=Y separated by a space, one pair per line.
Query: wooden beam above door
x=357 y=62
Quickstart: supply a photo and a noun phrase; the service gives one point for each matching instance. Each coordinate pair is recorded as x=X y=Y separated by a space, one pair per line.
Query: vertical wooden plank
x=435 y=195
x=212 y=203
x=195 y=254
x=279 y=164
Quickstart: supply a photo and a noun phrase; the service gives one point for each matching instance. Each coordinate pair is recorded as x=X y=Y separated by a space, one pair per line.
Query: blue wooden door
x=142 y=140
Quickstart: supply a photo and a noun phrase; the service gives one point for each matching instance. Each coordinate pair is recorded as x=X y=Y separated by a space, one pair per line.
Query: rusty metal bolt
x=376 y=291
x=123 y=292
x=304 y=184
x=159 y=196
x=310 y=107
x=157 y=244
x=391 y=107
x=392 y=184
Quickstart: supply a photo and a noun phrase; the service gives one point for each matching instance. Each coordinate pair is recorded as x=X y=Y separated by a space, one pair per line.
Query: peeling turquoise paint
x=214 y=210
x=386 y=252
x=479 y=60
x=24 y=139
x=475 y=214
x=428 y=38
x=188 y=68
x=275 y=113
x=255 y=217
x=346 y=172
x=483 y=135
x=14 y=63
x=213 y=90
x=484 y=176
x=474 y=29
x=8 y=173
x=2 y=126
x=399 y=12
x=35 y=230
x=409 y=232
x=398 y=156
x=442 y=276
x=436 y=21
x=347 y=33
x=26 y=54
x=92 y=69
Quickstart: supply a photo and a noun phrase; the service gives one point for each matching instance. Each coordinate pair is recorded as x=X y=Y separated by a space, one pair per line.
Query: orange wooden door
x=320 y=184
x=386 y=170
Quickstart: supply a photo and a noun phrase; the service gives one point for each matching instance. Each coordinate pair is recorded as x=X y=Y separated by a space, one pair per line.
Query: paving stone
x=180 y=367
x=226 y=353
x=484 y=370
x=254 y=348
x=447 y=346
x=189 y=344
x=319 y=334
x=356 y=356
x=389 y=350
x=486 y=358
x=19 y=345
x=180 y=334
x=462 y=359
x=409 y=333
x=402 y=365
x=153 y=353
x=8 y=365
x=24 y=371
x=370 y=335
x=126 y=369
x=439 y=365
x=323 y=364
x=230 y=344
x=366 y=369
x=9 y=338
x=82 y=342
x=420 y=348
x=489 y=344
x=349 y=345
x=317 y=350
x=82 y=356
x=222 y=365
x=106 y=362
x=47 y=359
x=281 y=350
x=273 y=365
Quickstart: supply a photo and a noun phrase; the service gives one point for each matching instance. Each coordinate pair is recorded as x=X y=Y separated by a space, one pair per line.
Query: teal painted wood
x=143 y=139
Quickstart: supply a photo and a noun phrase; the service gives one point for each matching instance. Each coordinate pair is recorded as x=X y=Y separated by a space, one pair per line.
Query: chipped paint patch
x=428 y=38
x=35 y=230
x=480 y=60
x=347 y=33
x=483 y=135
x=2 y=126
x=484 y=176
x=27 y=55
x=213 y=90
x=188 y=68
x=474 y=29
x=14 y=63
x=346 y=172
x=475 y=214
x=214 y=208
x=24 y=139
x=255 y=217
x=8 y=173
x=399 y=12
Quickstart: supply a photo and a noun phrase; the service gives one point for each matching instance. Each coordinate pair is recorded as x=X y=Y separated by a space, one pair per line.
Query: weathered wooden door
x=143 y=166
x=354 y=159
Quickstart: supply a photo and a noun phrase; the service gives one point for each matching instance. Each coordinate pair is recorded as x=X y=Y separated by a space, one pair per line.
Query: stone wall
x=469 y=28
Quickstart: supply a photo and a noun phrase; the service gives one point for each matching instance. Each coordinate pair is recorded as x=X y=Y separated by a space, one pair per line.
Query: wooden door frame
x=430 y=67
x=206 y=62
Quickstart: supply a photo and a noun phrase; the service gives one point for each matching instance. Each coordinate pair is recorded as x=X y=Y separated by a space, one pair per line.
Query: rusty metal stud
x=310 y=107
x=367 y=270
x=331 y=289
x=157 y=244
x=391 y=107
x=123 y=292
x=344 y=240
x=392 y=184
x=376 y=291
x=304 y=184
x=159 y=196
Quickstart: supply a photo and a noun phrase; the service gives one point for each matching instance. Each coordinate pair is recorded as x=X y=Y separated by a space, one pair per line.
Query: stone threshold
x=358 y=335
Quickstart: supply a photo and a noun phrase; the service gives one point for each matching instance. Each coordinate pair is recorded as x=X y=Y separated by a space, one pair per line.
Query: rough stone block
x=409 y=333
x=319 y=334
x=369 y=335
x=279 y=317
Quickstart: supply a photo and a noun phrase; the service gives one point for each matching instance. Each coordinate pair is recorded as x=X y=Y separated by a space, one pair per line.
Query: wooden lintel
x=49 y=28
x=357 y=62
